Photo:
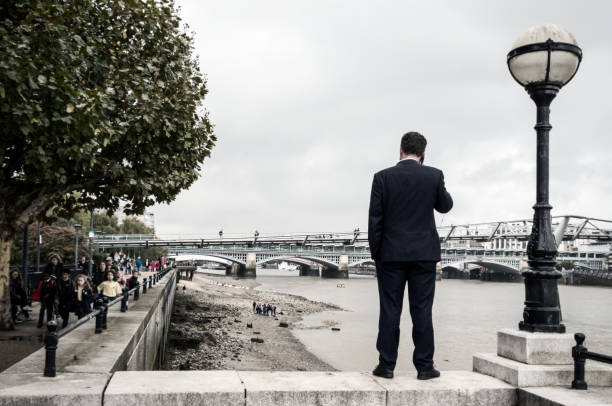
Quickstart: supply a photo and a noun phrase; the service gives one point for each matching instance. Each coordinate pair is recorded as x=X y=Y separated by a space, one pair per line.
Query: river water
x=467 y=314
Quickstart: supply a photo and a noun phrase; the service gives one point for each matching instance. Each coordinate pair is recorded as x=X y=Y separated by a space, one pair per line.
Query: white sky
x=310 y=98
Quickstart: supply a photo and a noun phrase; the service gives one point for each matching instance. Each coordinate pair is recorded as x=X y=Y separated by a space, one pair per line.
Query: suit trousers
x=421 y=279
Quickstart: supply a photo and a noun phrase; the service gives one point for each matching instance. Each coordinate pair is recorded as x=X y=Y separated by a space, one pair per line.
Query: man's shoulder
x=397 y=168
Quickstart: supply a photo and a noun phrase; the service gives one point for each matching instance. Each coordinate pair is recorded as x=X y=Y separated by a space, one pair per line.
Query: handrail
x=52 y=336
x=580 y=354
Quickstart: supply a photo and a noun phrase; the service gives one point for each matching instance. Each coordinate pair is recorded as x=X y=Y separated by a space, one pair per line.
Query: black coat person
x=405 y=246
x=54 y=267
x=65 y=296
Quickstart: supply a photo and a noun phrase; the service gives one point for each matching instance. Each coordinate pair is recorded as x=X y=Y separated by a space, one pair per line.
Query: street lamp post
x=543 y=60
x=91 y=236
x=77 y=227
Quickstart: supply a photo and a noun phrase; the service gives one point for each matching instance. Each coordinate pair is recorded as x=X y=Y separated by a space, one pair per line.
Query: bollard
x=51 y=340
x=98 y=304
x=154 y=279
x=137 y=292
x=150 y=281
x=144 y=286
x=578 y=353
x=104 y=314
x=124 y=302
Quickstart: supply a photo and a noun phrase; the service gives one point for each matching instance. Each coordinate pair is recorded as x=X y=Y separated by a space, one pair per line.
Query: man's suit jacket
x=401 y=224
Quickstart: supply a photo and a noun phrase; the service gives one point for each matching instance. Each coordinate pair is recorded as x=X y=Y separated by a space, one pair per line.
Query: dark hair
x=111 y=272
x=413 y=143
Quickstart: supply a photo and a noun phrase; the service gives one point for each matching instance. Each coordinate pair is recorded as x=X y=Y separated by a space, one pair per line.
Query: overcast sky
x=309 y=99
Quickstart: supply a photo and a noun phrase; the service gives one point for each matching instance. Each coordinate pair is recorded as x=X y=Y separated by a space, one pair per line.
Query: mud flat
x=213 y=327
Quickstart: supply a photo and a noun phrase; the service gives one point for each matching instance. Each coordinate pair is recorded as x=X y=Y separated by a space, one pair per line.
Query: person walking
x=46 y=294
x=405 y=246
x=19 y=298
x=99 y=275
x=55 y=266
x=83 y=296
x=65 y=296
x=138 y=264
x=109 y=289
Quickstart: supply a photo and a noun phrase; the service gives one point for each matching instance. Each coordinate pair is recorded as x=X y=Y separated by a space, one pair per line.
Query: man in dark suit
x=405 y=245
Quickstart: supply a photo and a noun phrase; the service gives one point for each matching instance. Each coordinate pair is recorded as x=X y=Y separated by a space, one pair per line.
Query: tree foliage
x=100 y=102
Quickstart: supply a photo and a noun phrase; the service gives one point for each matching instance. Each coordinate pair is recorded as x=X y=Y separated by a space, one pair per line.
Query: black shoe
x=382 y=372
x=424 y=375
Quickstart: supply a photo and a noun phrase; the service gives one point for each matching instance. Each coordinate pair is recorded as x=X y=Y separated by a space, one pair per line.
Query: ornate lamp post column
x=543 y=60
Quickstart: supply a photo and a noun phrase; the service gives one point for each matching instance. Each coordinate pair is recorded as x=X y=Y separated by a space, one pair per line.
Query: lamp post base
x=541 y=313
x=541 y=328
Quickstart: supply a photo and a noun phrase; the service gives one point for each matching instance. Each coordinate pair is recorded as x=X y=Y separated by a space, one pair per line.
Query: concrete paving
x=564 y=396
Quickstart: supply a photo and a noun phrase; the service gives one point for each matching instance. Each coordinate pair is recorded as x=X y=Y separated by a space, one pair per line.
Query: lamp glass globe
x=531 y=67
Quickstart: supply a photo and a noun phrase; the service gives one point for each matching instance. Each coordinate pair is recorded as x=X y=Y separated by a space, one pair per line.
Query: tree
x=100 y=102
x=131 y=225
x=103 y=222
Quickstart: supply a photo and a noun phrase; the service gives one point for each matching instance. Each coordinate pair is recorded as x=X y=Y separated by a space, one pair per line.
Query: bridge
x=496 y=246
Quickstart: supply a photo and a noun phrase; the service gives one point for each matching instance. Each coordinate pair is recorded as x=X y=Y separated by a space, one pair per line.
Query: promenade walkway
x=26 y=338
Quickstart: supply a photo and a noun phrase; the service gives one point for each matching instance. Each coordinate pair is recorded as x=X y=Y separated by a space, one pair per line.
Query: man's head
x=65 y=274
x=413 y=145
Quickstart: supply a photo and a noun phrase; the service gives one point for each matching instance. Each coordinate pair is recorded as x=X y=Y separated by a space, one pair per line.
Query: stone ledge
x=453 y=388
x=525 y=375
x=67 y=389
x=535 y=348
x=564 y=396
x=311 y=388
x=206 y=388
x=267 y=388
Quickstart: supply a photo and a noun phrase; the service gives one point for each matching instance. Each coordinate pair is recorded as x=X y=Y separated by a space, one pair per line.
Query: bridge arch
x=361 y=262
x=323 y=262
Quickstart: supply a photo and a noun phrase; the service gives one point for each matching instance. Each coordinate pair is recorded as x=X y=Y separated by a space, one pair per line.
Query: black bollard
x=578 y=353
x=98 y=305
x=51 y=340
x=124 y=302
x=150 y=281
x=104 y=314
x=137 y=292
x=144 y=286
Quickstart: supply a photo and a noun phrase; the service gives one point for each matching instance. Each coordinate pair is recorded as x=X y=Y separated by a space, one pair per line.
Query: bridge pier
x=312 y=270
x=341 y=272
x=250 y=269
x=232 y=270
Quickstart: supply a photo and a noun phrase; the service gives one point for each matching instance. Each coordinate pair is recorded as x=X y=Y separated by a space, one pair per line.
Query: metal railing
x=580 y=354
x=101 y=307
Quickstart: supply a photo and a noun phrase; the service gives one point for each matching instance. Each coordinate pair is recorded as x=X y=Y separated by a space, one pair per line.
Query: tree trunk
x=6 y=321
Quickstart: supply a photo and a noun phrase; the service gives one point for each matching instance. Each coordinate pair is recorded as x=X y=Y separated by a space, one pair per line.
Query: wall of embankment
x=85 y=361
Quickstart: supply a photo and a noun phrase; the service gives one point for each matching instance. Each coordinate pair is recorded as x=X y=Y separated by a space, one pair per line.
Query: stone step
x=526 y=375
x=453 y=388
x=255 y=388
x=564 y=396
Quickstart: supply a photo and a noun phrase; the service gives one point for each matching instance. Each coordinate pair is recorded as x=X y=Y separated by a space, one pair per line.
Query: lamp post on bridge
x=543 y=60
